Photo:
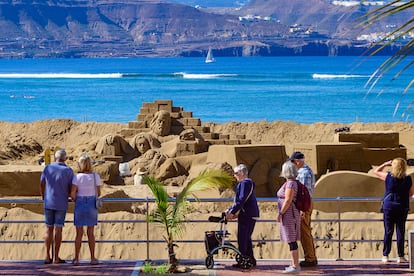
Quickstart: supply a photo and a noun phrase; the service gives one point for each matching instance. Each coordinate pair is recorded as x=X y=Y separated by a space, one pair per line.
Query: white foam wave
x=60 y=76
x=334 y=76
x=202 y=76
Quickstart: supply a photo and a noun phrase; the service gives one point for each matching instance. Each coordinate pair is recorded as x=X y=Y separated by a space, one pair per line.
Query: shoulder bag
x=98 y=202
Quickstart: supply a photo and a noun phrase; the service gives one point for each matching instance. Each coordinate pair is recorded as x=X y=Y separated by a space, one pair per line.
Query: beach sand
x=19 y=154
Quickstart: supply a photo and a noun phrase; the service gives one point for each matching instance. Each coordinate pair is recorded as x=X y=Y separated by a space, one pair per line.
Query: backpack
x=303 y=199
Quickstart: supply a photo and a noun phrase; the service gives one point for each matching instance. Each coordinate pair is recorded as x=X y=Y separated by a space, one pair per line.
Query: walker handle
x=218 y=219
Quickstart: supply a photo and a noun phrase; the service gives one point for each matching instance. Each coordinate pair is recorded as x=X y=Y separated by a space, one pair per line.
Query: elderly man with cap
x=307 y=178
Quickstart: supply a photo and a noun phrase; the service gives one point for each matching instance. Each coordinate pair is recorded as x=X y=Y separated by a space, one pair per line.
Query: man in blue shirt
x=55 y=186
x=307 y=178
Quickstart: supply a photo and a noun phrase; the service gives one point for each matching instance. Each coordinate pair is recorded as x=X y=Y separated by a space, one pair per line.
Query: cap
x=297 y=155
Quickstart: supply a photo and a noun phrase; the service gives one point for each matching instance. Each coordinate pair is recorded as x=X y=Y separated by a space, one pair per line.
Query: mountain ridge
x=152 y=28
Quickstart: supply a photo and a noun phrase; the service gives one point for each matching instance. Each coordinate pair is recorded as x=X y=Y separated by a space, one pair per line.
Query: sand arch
x=348 y=184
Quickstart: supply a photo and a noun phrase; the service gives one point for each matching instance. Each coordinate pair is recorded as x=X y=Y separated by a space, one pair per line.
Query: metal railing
x=147 y=201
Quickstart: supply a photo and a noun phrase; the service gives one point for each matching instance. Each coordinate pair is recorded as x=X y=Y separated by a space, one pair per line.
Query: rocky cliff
x=127 y=28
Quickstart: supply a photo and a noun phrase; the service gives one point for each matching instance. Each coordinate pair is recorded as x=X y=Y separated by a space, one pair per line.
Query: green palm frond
x=208 y=179
x=396 y=60
x=172 y=215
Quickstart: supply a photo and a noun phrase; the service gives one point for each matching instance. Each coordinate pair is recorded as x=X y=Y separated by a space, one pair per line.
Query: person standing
x=307 y=178
x=55 y=186
x=289 y=216
x=246 y=210
x=396 y=203
x=84 y=193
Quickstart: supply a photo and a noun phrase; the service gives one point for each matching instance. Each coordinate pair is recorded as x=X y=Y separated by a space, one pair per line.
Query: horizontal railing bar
x=336 y=218
x=180 y=241
x=260 y=199
x=198 y=221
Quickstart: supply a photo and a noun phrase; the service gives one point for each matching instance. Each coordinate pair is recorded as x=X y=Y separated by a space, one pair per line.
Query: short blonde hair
x=398 y=167
x=85 y=164
x=289 y=170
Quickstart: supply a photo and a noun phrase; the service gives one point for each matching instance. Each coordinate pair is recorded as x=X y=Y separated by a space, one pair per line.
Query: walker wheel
x=238 y=258
x=209 y=262
x=245 y=262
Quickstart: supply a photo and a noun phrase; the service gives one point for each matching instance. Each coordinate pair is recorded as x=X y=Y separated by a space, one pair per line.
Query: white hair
x=242 y=168
x=289 y=170
x=60 y=155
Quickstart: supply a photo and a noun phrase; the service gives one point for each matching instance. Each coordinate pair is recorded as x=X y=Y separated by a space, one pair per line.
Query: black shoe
x=253 y=262
x=244 y=267
x=237 y=265
x=308 y=263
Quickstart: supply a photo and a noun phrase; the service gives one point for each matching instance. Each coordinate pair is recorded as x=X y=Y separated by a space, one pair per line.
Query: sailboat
x=210 y=58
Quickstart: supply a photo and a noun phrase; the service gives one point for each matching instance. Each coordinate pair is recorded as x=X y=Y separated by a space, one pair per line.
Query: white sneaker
x=291 y=270
x=401 y=260
x=385 y=259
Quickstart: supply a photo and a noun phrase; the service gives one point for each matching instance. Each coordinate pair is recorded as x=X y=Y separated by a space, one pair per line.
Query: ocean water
x=233 y=89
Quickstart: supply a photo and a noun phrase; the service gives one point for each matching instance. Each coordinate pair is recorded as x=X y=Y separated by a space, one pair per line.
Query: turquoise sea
x=300 y=89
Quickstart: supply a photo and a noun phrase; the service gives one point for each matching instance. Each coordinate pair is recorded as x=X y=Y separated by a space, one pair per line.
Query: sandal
x=75 y=262
x=48 y=261
x=59 y=261
x=94 y=262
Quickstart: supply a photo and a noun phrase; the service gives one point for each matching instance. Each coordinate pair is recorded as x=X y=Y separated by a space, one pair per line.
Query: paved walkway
x=222 y=268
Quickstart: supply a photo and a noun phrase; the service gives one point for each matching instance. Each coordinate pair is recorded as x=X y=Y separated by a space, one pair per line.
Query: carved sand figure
x=160 y=126
x=114 y=144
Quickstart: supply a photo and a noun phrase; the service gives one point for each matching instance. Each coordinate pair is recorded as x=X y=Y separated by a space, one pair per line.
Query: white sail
x=210 y=58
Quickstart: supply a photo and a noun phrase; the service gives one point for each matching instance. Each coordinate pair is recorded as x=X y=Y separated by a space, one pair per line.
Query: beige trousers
x=306 y=237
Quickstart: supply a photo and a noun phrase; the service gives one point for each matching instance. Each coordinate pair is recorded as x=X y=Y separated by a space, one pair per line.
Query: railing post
x=148 y=259
x=339 y=228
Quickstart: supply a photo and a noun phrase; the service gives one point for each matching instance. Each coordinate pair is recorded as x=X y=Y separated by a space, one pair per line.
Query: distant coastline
x=113 y=28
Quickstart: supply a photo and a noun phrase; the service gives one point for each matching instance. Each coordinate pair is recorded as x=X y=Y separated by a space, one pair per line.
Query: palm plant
x=393 y=8
x=171 y=216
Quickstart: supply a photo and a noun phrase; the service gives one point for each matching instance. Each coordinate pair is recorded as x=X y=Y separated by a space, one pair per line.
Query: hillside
x=127 y=28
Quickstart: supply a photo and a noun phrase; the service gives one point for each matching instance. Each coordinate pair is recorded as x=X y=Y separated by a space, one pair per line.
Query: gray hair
x=289 y=170
x=242 y=168
x=60 y=155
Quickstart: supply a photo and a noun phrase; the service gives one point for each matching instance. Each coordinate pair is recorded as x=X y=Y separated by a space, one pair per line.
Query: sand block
x=325 y=157
x=20 y=180
x=246 y=154
x=370 y=139
x=263 y=161
x=376 y=156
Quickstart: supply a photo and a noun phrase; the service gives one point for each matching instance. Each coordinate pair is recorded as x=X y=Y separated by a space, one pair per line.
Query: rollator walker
x=215 y=241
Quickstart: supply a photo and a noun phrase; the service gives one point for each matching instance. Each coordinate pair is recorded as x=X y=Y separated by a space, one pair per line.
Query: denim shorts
x=85 y=213
x=55 y=217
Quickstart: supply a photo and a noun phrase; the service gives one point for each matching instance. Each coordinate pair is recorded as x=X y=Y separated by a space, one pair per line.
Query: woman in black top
x=396 y=203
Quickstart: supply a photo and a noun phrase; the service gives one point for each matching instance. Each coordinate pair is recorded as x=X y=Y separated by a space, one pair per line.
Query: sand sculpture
x=168 y=143
x=189 y=147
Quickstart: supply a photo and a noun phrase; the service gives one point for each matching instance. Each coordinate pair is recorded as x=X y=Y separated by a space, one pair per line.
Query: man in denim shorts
x=55 y=185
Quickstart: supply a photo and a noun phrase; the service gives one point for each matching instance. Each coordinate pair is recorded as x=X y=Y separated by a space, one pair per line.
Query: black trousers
x=394 y=218
x=244 y=236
